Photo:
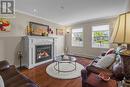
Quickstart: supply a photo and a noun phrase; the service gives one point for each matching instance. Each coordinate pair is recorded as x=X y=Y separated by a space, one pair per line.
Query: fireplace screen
x=43 y=52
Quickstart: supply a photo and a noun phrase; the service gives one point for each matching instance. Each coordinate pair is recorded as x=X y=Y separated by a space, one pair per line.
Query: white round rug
x=64 y=75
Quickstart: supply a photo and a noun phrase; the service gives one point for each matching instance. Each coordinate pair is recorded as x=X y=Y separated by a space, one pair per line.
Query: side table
x=125 y=56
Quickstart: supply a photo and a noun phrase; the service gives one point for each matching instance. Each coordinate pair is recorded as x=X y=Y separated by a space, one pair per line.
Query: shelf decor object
x=121 y=35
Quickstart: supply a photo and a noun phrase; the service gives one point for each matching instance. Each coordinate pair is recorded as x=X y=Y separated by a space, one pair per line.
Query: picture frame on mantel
x=37 y=29
x=59 y=32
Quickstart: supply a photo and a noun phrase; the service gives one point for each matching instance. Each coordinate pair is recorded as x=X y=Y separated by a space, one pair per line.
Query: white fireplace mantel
x=30 y=42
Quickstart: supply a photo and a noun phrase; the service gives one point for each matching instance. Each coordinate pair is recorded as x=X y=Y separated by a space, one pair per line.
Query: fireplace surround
x=37 y=50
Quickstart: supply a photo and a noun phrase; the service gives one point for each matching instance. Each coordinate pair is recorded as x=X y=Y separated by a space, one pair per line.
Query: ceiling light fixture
x=34 y=10
x=61 y=5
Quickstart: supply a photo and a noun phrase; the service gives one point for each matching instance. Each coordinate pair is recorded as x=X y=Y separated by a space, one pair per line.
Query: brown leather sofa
x=117 y=72
x=12 y=77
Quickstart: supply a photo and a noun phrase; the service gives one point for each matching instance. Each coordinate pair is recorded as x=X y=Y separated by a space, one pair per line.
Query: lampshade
x=121 y=32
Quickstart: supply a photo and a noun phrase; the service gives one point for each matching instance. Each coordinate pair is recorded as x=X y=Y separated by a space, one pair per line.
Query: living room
x=48 y=43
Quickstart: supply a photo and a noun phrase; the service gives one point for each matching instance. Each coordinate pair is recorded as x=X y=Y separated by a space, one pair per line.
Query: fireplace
x=39 y=50
x=43 y=53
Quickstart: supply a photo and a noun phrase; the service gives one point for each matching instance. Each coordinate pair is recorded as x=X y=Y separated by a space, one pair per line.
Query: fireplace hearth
x=43 y=53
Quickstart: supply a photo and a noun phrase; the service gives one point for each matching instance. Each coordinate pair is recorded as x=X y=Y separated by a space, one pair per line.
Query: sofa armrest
x=97 y=70
x=103 y=53
x=4 y=65
x=95 y=60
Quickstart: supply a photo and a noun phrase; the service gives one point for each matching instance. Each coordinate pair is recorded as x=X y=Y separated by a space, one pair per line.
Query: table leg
x=58 y=67
x=75 y=65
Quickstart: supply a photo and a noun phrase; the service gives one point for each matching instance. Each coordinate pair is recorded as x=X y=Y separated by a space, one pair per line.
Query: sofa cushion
x=1 y=82
x=106 y=61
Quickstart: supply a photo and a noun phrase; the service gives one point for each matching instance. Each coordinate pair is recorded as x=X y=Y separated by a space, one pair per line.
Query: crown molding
x=26 y=13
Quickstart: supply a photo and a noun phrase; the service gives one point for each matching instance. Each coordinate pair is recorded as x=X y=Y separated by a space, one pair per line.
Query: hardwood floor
x=40 y=77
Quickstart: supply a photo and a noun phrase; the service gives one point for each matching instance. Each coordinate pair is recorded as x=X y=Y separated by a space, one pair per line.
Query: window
x=100 y=36
x=77 y=37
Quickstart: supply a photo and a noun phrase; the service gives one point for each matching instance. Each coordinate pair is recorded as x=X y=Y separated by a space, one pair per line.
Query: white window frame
x=76 y=44
x=104 y=29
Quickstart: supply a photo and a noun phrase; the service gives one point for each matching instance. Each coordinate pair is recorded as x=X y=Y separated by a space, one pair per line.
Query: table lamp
x=121 y=35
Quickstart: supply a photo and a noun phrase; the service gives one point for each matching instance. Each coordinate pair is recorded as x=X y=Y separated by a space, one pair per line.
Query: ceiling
x=66 y=12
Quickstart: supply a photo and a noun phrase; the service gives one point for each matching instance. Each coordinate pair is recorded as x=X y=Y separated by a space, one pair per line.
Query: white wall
x=129 y=5
x=9 y=47
x=10 y=42
x=87 y=50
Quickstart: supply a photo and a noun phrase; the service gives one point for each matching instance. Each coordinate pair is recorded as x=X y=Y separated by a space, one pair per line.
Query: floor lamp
x=66 y=39
x=121 y=35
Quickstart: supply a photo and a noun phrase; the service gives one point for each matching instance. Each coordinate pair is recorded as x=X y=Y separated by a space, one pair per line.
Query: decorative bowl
x=104 y=76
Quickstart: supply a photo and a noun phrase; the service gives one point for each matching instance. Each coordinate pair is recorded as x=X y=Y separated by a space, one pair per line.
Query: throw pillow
x=1 y=82
x=106 y=61
x=120 y=49
x=110 y=51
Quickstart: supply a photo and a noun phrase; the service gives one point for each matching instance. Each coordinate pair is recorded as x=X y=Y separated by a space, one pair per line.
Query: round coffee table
x=64 y=59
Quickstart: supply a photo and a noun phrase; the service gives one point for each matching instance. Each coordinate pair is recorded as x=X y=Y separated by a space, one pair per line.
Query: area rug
x=51 y=71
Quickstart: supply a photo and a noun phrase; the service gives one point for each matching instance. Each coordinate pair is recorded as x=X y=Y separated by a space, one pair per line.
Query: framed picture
x=4 y=25
x=59 y=32
x=38 y=29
